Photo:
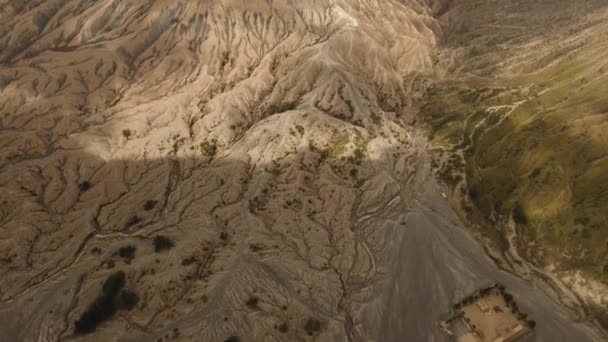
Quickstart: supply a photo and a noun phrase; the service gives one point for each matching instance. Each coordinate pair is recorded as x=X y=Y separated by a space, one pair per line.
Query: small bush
x=252 y=302
x=188 y=261
x=127 y=300
x=232 y=339
x=255 y=247
x=283 y=327
x=312 y=326
x=150 y=204
x=519 y=215
x=84 y=186
x=127 y=252
x=133 y=220
x=126 y=133
x=162 y=243
x=209 y=148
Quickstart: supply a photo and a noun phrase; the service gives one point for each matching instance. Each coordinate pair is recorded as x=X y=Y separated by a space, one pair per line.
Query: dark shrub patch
x=103 y=307
x=127 y=300
x=126 y=133
x=519 y=215
x=255 y=247
x=232 y=339
x=283 y=327
x=133 y=220
x=474 y=194
x=252 y=302
x=312 y=326
x=84 y=186
x=162 y=243
x=127 y=252
x=150 y=204
x=209 y=148
x=224 y=236
x=115 y=282
x=189 y=261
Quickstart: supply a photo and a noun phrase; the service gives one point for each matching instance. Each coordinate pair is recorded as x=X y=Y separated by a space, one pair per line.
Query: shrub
x=127 y=300
x=103 y=307
x=150 y=204
x=519 y=215
x=84 y=186
x=312 y=326
x=283 y=327
x=209 y=148
x=127 y=252
x=162 y=243
x=252 y=302
x=114 y=283
x=188 y=261
x=133 y=220
x=474 y=193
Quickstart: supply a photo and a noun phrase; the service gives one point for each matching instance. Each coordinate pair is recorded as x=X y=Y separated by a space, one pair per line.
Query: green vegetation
x=127 y=253
x=127 y=300
x=337 y=144
x=162 y=243
x=105 y=305
x=283 y=327
x=312 y=326
x=252 y=302
x=150 y=204
x=209 y=148
x=84 y=186
x=544 y=164
x=133 y=220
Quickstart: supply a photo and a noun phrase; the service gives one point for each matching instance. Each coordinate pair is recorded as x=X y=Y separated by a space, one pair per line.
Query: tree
x=162 y=243
x=519 y=215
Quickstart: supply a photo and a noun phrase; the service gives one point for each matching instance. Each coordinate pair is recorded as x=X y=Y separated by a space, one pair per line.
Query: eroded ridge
x=224 y=156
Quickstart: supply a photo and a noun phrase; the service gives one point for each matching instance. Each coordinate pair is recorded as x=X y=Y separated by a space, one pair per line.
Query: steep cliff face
x=219 y=153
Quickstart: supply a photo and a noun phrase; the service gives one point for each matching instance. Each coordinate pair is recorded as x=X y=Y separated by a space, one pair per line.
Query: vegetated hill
x=524 y=105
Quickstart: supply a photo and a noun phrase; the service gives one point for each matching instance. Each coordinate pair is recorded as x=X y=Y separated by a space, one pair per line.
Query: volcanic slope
x=225 y=171
x=218 y=153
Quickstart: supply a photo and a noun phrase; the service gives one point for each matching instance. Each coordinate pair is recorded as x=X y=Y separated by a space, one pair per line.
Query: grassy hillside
x=536 y=151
